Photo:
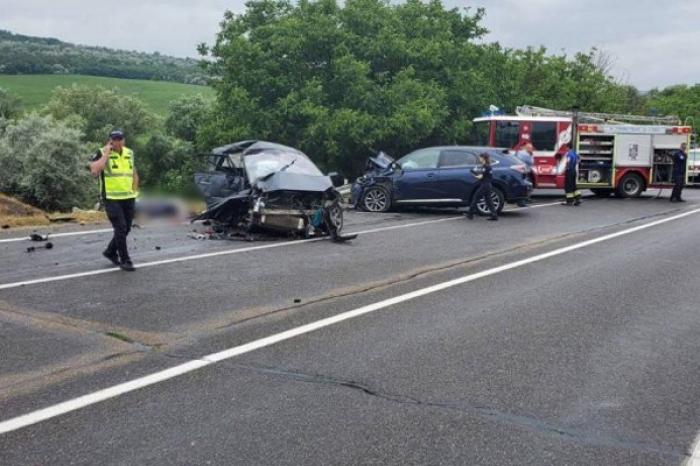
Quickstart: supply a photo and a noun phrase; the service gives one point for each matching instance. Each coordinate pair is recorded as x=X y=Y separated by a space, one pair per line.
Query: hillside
x=35 y=90
x=20 y=54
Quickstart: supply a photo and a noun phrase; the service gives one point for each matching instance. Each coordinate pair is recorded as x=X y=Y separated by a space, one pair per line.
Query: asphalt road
x=541 y=355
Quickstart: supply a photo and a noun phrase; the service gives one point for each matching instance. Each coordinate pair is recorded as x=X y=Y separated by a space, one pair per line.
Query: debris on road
x=48 y=245
x=37 y=237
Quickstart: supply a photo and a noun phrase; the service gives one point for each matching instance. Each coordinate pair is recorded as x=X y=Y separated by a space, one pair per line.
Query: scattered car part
x=48 y=245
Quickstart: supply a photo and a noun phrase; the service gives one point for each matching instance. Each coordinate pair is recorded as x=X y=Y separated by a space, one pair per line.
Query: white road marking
x=6 y=286
x=58 y=235
x=694 y=459
x=126 y=387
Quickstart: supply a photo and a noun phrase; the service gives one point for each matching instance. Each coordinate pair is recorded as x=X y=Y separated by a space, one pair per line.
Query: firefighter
x=484 y=188
x=114 y=165
x=680 y=160
x=573 y=195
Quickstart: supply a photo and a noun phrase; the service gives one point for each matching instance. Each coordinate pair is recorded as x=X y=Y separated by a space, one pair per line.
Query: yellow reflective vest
x=118 y=175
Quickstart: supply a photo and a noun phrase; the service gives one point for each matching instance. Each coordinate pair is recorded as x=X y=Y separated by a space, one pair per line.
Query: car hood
x=287 y=181
x=381 y=161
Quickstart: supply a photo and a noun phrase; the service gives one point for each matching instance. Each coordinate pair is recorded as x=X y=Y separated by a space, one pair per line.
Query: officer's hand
x=107 y=149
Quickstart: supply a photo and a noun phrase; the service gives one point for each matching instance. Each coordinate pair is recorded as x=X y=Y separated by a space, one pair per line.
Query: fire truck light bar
x=679 y=130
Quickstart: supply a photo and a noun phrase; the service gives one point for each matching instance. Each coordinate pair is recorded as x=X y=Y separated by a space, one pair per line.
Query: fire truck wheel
x=631 y=185
x=600 y=192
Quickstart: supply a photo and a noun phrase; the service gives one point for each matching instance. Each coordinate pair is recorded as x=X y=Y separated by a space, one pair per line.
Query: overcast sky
x=654 y=43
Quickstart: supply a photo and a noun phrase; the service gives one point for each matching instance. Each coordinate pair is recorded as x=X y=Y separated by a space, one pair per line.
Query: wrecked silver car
x=254 y=186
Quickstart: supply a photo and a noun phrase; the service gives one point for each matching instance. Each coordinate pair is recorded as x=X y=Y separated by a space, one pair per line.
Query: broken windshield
x=270 y=161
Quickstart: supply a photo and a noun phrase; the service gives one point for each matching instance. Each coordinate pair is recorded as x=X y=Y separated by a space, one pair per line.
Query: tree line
x=20 y=54
x=334 y=80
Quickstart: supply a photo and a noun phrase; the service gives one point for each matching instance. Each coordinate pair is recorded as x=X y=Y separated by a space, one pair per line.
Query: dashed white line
x=167 y=374
x=88 y=273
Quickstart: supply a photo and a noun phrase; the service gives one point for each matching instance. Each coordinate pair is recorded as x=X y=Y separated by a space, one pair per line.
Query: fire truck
x=620 y=154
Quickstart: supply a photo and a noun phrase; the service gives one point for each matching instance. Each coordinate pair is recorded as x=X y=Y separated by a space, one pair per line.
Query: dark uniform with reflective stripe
x=573 y=195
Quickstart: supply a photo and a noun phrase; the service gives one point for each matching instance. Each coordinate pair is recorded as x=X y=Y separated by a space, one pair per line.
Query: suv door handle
x=430 y=175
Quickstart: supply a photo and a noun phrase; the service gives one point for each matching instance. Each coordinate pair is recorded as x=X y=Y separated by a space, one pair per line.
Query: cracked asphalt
x=585 y=358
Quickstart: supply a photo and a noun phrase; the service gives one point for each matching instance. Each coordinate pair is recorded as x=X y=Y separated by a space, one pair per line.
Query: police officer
x=119 y=182
x=573 y=195
x=680 y=160
x=485 y=176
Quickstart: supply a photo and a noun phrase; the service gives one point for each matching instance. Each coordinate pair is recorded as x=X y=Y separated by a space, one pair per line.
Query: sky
x=652 y=43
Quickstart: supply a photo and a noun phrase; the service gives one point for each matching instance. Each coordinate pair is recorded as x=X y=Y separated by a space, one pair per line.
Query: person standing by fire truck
x=680 y=160
x=573 y=195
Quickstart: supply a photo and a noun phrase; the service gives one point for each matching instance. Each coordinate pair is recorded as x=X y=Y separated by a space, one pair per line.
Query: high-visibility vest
x=118 y=175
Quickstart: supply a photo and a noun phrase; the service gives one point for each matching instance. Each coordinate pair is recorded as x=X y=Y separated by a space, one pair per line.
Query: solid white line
x=6 y=286
x=694 y=459
x=117 y=390
x=58 y=235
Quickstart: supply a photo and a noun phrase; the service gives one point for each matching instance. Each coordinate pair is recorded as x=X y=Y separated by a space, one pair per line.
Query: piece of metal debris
x=48 y=245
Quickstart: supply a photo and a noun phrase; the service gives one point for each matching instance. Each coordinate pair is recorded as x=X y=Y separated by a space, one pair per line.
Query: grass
x=35 y=90
x=14 y=213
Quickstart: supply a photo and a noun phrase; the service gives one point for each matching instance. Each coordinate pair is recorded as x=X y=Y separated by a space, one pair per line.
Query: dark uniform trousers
x=570 y=188
x=485 y=189
x=121 y=215
x=678 y=183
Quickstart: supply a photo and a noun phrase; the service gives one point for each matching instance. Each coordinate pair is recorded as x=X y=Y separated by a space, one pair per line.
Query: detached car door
x=456 y=179
x=418 y=179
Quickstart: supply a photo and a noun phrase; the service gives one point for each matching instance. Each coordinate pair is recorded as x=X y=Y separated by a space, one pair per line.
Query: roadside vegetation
x=336 y=80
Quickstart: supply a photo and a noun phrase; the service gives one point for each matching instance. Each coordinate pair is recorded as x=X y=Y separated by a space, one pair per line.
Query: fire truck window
x=544 y=135
x=479 y=134
x=507 y=133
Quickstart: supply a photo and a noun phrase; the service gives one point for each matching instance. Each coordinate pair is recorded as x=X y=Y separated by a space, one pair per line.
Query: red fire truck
x=621 y=154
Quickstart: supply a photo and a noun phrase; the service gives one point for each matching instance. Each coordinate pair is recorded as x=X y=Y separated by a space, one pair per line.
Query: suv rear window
x=456 y=158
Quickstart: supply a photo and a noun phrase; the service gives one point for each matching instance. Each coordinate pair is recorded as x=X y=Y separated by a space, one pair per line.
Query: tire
x=375 y=199
x=335 y=217
x=602 y=192
x=499 y=201
x=631 y=185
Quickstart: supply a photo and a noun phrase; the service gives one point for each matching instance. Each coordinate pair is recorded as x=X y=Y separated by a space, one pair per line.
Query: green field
x=35 y=90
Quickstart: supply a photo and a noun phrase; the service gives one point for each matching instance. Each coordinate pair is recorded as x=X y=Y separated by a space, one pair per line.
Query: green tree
x=167 y=164
x=336 y=81
x=681 y=100
x=186 y=115
x=97 y=111
x=44 y=163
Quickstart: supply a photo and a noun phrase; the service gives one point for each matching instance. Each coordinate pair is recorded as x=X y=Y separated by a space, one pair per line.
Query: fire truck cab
x=621 y=154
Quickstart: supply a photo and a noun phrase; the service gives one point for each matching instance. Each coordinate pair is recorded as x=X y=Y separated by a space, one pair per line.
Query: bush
x=44 y=163
x=10 y=105
x=98 y=110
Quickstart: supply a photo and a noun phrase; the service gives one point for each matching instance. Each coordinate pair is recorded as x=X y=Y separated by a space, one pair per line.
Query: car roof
x=467 y=148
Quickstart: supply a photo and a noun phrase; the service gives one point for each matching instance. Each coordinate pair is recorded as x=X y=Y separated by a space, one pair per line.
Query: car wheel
x=335 y=216
x=375 y=199
x=498 y=199
x=602 y=192
x=631 y=185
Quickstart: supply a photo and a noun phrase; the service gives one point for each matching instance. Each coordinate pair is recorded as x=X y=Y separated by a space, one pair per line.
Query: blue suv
x=439 y=176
